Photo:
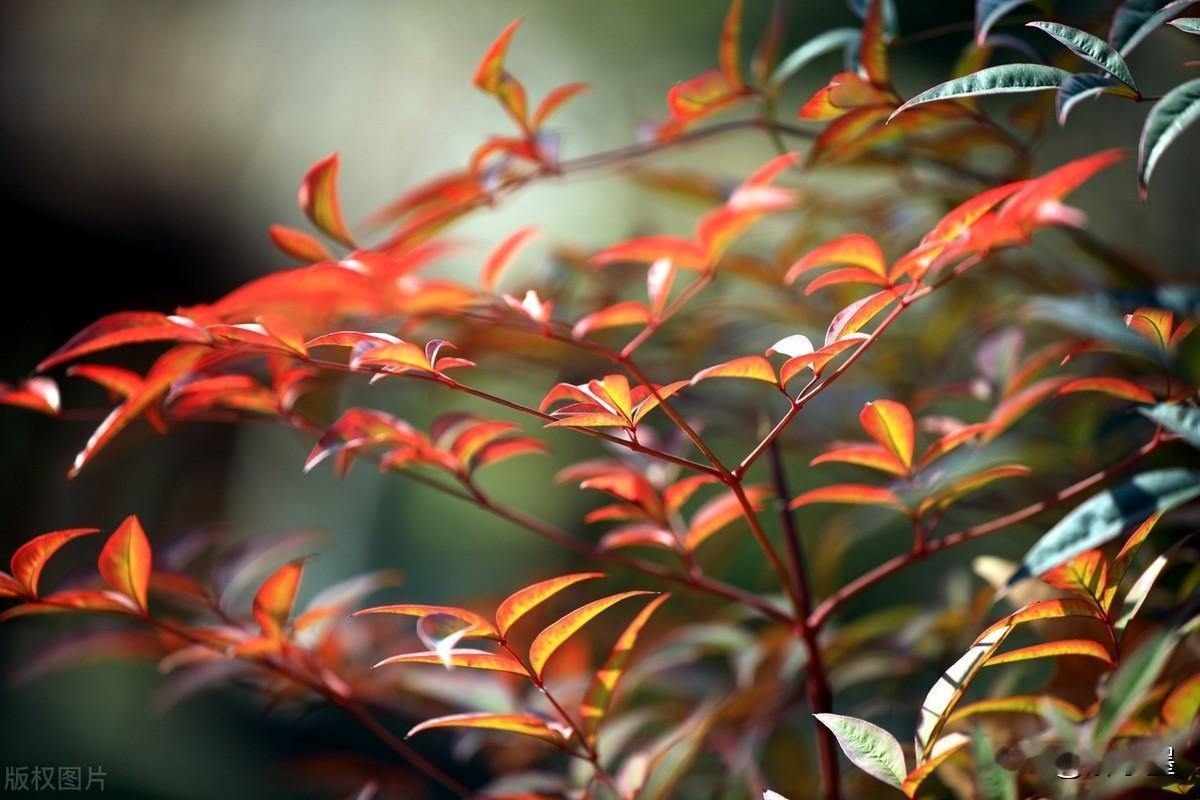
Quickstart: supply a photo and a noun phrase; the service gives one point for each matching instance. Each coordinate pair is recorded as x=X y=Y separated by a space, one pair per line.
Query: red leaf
x=319 y=200
x=521 y=602
x=29 y=559
x=628 y=312
x=729 y=49
x=118 y=380
x=274 y=600
x=755 y=368
x=298 y=244
x=648 y=249
x=554 y=635
x=1114 y=387
x=639 y=535
x=36 y=394
x=891 y=424
x=555 y=100
x=125 y=562
x=524 y=724
x=125 y=327
x=721 y=511
x=851 y=493
x=873 y=51
x=492 y=78
x=865 y=455
x=470 y=659
x=503 y=255
x=856 y=249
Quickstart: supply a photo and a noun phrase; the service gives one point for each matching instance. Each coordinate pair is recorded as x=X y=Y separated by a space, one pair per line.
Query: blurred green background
x=147 y=146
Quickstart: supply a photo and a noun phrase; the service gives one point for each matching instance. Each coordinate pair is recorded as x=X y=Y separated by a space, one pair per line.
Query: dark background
x=144 y=149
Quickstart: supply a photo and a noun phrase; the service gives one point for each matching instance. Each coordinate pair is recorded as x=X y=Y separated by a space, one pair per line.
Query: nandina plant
x=691 y=362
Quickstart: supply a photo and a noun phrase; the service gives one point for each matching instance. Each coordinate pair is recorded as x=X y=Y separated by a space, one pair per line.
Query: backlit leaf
x=469 y=659
x=755 y=368
x=1181 y=707
x=1016 y=704
x=274 y=600
x=524 y=724
x=869 y=747
x=1040 y=610
x=598 y=696
x=872 y=54
x=521 y=602
x=478 y=626
x=628 y=312
x=855 y=249
x=499 y=259
x=30 y=558
x=1064 y=647
x=298 y=244
x=555 y=100
x=1105 y=515
x=554 y=635
x=871 y=456
x=1089 y=48
x=1114 y=387
x=946 y=746
x=36 y=394
x=949 y=689
x=1169 y=117
x=648 y=249
x=891 y=424
x=1006 y=79
x=125 y=327
x=719 y=512
x=319 y=200
x=850 y=493
x=125 y=562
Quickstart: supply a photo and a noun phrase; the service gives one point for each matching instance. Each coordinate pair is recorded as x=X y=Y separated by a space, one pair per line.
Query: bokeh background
x=145 y=148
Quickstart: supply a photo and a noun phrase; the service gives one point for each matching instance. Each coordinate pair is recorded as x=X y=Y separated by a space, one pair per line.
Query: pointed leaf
x=600 y=691
x=629 y=312
x=469 y=659
x=1170 y=117
x=891 y=424
x=755 y=368
x=524 y=724
x=719 y=512
x=1081 y=86
x=1181 y=708
x=729 y=52
x=988 y=13
x=648 y=249
x=1063 y=647
x=1178 y=419
x=521 y=602
x=1005 y=79
x=503 y=255
x=1134 y=20
x=855 y=249
x=851 y=493
x=298 y=244
x=319 y=200
x=811 y=50
x=478 y=626
x=946 y=746
x=1040 y=610
x=870 y=748
x=125 y=562
x=554 y=635
x=1114 y=387
x=275 y=598
x=1090 y=49
x=1105 y=515
x=949 y=689
x=125 y=327
x=30 y=558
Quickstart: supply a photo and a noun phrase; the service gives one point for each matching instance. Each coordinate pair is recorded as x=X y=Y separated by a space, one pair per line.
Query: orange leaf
x=30 y=558
x=846 y=91
x=319 y=200
x=555 y=100
x=1041 y=610
x=118 y=380
x=1153 y=324
x=850 y=493
x=639 y=535
x=171 y=366
x=480 y=626
x=856 y=249
x=865 y=455
x=729 y=49
x=521 y=602
x=125 y=327
x=697 y=97
x=648 y=249
x=471 y=659
x=755 y=368
x=873 y=50
x=1063 y=647
x=844 y=275
x=599 y=693
x=891 y=424
x=818 y=360
x=1037 y=202
x=1086 y=574
x=853 y=317
x=1114 y=387
x=946 y=495
x=719 y=512
x=275 y=598
x=125 y=562
x=36 y=394
x=298 y=244
x=493 y=79
x=554 y=635
x=1016 y=704
x=503 y=255
x=945 y=747
x=950 y=442
x=1018 y=405
x=524 y=724
x=629 y=312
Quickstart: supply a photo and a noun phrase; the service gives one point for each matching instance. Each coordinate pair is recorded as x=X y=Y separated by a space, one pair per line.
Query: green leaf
x=995 y=782
x=1125 y=689
x=811 y=50
x=1005 y=79
x=1083 y=85
x=1105 y=515
x=1134 y=20
x=871 y=748
x=988 y=13
x=1089 y=48
x=1180 y=419
x=1189 y=25
x=1170 y=117
x=1140 y=590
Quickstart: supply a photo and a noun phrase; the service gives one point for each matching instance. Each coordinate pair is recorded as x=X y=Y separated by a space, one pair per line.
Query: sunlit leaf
x=1169 y=117
x=1063 y=647
x=719 y=512
x=1181 y=707
x=858 y=314
x=1134 y=20
x=949 y=689
x=499 y=259
x=869 y=747
x=492 y=78
x=1016 y=704
x=648 y=249
x=298 y=244
x=891 y=424
x=125 y=327
x=555 y=100
x=125 y=562
x=319 y=200
x=855 y=249
x=945 y=747
x=1114 y=387
x=1089 y=48
x=872 y=52
x=1105 y=515
x=871 y=456
x=468 y=659
x=1086 y=575
x=478 y=626
x=755 y=368
x=729 y=49
x=36 y=394
x=988 y=13
x=1005 y=79
x=598 y=696
x=1040 y=610
x=29 y=559
x=811 y=50
x=525 y=600
x=628 y=312
x=850 y=493
x=274 y=600
x=554 y=635
x=1081 y=86
x=524 y=724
